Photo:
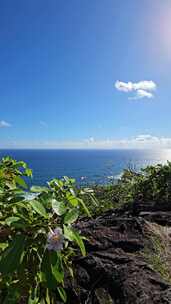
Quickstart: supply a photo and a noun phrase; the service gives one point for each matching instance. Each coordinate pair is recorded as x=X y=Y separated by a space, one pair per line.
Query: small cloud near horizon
x=142 y=141
x=4 y=124
x=90 y=140
x=142 y=89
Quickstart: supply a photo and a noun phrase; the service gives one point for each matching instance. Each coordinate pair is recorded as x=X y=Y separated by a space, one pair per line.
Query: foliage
x=152 y=183
x=38 y=238
x=105 y=199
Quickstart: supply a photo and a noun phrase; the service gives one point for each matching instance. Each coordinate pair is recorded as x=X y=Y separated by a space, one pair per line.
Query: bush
x=38 y=239
x=152 y=183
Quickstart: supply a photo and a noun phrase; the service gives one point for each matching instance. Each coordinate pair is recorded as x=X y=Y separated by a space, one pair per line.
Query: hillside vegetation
x=44 y=231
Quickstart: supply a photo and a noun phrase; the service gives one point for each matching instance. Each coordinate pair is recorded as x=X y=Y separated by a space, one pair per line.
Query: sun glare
x=165 y=155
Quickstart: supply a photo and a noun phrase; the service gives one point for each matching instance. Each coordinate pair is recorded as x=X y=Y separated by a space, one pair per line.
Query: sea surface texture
x=86 y=166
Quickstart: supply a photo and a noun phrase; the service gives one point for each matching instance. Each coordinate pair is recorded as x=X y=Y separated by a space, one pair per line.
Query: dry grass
x=160 y=255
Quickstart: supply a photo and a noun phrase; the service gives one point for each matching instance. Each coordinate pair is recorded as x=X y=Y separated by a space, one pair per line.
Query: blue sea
x=86 y=166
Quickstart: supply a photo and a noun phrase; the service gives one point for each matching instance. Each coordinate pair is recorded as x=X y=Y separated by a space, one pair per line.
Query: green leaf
x=3 y=246
x=21 y=164
x=79 y=242
x=12 y=219
x=56 y=266
x=71 y=216
x=72 y=199
x=46 y=271
x=56 y=183
x=68 y=233
x=38 y=207
x=28 y=172
x=15 y=221
x=84 y=207
x=38 y=189
x=34 y=300
x=58 y=207
x=22 y=204
x=67 y=179
x=71 y=235
x=62 y=294
x=20 y=181
x=94 y=200
x=71 y=271
x=12 y=256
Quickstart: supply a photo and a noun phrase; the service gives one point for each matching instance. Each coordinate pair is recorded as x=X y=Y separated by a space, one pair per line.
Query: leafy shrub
x=38 y=239
x=105 y=198
x=152 y=183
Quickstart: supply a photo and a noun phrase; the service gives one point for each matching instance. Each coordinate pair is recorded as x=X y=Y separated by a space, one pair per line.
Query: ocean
x=86 y=166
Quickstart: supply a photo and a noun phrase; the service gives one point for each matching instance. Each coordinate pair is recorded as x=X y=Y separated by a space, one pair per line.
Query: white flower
x=55 y=240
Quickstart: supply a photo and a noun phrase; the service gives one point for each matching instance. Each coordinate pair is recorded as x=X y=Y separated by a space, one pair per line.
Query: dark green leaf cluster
x=150 y=184
x=32 y=272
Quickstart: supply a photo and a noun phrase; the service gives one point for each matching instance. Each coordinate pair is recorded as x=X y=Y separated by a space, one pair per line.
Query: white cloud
x=142 y=141
x=90 y=140
x=4 y=124
x=143 y=88
x=148 y=85
x=141 y=94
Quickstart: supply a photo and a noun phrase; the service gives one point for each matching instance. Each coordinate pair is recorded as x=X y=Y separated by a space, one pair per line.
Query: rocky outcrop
x=115 y=269
x=158 y=212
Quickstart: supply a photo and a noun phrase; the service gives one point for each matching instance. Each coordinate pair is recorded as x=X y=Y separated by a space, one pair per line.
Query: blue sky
x=59 y=64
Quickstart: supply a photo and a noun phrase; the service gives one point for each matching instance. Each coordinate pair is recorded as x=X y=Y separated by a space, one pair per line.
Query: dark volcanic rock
x=159 y=217
x=151 y=206
x=114 y=270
